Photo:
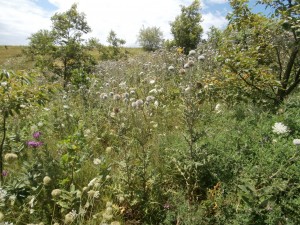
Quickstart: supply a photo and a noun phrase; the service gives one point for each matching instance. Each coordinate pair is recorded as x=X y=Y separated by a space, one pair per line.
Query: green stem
x=1 y=148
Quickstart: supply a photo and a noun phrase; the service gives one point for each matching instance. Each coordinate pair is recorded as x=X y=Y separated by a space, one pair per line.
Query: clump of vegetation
x=159 y=137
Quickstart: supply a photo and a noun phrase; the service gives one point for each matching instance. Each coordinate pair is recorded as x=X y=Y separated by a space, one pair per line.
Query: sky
x=19 y=19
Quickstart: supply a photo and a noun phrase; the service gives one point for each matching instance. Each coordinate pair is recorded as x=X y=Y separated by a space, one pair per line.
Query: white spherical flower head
x=171 y=68
x=46 y=180
x=56 y=192
x=296 y=142
x=280 y=128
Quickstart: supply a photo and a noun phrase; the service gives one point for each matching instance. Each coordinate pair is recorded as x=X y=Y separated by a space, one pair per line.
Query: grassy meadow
x=145 y=141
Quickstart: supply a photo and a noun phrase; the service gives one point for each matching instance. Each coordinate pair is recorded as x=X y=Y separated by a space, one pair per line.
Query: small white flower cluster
x=3 y=194
x=280 y=128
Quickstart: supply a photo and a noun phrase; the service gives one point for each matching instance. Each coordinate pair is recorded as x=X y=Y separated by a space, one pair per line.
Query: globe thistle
x=296 y=142
x=103 y=96
x=56 y=193
x=70 y=217
x=46 y=180
x=201 y=58
x=37 y=134
x=192 y=52
x=150 y=98
x=139 y=103
x=9 y=157
x=171 y=68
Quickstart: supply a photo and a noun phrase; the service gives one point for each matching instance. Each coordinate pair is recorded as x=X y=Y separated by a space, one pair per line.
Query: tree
x=186 y=28
x=150 y=38
x=62 y=49
x=114 y=50
x=261 y=52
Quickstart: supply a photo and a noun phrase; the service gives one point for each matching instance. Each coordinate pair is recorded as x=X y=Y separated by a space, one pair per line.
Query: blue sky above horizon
x=21 y=18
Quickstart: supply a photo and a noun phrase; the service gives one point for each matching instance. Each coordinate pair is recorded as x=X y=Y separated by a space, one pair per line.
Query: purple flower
x=37 y=134
x=4 y=173
x=34 y=144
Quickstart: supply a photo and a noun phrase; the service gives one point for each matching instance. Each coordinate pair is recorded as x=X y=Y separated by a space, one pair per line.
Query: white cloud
x=216 y=20
x=20 y=18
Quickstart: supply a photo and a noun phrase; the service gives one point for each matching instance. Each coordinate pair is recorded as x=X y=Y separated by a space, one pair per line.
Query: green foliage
x=61 y=50
x=150 y=38
x=261 y=53
x=186 y=28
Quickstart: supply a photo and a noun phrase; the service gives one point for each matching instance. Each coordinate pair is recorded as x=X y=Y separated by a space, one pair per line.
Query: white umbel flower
x=280 y=128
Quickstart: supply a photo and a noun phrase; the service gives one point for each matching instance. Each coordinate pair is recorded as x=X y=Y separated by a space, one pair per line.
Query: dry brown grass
x=12 y=57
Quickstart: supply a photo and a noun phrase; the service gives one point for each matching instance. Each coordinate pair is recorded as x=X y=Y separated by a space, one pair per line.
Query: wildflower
x=93 y=182
x=3 y=84
x=40 y=124
x=280 y=128
x=10 y=157
x=139 y=102
x=122 y=85
x=34 y=144
x=150 y=98
x=133 y=105
x=186 y=66
x=3 y=194
x=66 y=107
x=153 y=91
x=4 y=173
x=152 y=81
x=171 y=68
x=296 y=142
x=132 y=92
x=93 y=194
x=31 y=202
x=97 y=161
x=103 y=96
x=46 y=180
x=70 y=217
x=192 y=53
x=201 y=57
x=218 y=108
x=56 y=193
x=37 y=134
x=156 y=103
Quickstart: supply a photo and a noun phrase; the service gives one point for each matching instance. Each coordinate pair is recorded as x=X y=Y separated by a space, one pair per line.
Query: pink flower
x=37 y=134
x=34 y=144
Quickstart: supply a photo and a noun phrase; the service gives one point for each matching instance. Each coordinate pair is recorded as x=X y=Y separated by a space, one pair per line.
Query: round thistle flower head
x=37 y=134
x=34 y=144
x=46 y=180
x=296 y=142
x=56 y=193
x=70 y=217
x=9 y=157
